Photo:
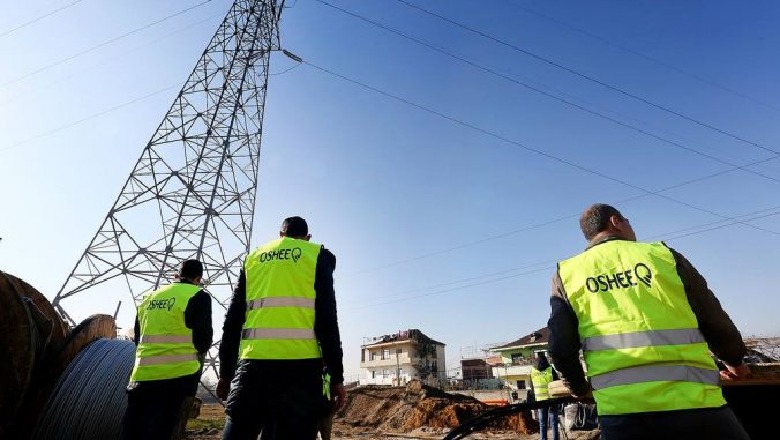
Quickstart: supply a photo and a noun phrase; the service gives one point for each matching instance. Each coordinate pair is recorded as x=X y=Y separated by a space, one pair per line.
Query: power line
x=545 y=93
x=87 y=118
x=525 y=147
x=119 y=56
x=649 y=58
x=37 y=19
x=547 y=222
x=105 y=43
x=587 y=77
x=436 y=289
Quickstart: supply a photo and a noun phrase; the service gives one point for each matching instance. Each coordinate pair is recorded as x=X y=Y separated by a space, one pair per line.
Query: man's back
x=280 y=327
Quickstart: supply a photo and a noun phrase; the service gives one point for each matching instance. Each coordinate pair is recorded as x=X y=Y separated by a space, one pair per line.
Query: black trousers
x=154 y=408
x=709 y=423
x=281 y=400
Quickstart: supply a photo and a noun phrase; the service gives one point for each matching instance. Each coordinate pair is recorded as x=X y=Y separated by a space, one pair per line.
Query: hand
x=740 y=372
x=223 y=388
x=338 y=396
x=587 y=396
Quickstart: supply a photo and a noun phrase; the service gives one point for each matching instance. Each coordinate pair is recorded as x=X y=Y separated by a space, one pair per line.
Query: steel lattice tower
x=192 y=192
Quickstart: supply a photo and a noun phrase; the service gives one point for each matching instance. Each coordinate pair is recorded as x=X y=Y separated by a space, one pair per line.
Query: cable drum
x=89 y=400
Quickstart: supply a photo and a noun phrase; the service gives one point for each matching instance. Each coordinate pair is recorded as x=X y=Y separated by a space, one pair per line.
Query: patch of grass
x=200 y=425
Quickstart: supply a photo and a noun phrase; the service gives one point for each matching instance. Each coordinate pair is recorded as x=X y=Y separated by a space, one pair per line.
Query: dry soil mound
x=404 y=409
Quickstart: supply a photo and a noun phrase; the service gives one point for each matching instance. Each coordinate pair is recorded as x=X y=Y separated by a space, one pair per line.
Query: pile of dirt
x=416 y=406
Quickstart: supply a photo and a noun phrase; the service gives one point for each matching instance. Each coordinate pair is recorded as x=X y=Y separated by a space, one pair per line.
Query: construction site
x=436 y=232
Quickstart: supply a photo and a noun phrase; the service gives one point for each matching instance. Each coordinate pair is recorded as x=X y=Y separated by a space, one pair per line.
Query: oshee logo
x=620 y=280
x=161 y=304
x=281 y=254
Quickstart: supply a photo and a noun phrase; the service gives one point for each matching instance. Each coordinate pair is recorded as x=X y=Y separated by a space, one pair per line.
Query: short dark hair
x=295 y=227
x=596 y=219
x=191 y=269
x=541 y=363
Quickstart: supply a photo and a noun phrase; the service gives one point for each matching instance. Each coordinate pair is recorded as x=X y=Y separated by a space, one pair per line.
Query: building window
x=386 y=374
x=386 y=354
x=520 y=384
x=517 y=358
x=374 y=355
x=373 y=374
x=400 y=372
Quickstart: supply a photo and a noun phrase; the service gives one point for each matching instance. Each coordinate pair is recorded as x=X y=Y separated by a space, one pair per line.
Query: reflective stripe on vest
x=278 y=333
x=540 y=381
x=167 y=359
x=655 y=373
x=641 y=339
x=280 y=301
x=165 y=349
x=642 y=346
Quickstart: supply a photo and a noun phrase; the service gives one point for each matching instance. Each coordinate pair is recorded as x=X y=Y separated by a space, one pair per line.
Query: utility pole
x=397 y=367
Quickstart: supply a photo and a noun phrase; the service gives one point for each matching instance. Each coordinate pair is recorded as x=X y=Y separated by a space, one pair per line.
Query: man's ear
x=616 y=222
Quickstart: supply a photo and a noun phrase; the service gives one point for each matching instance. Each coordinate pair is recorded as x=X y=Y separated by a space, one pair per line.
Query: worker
x=172 y=333
x=542 y=373
x=280 y=328
x=646 y=323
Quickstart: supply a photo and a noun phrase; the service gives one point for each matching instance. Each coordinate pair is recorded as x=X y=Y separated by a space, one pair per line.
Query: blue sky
x=449 y=227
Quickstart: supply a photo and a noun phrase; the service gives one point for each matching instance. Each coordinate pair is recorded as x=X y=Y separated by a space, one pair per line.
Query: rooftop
x=414 y=335
x=541 y=336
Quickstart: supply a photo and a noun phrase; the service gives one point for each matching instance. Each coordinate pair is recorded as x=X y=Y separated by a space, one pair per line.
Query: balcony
x=512 y=370
x=403 y=359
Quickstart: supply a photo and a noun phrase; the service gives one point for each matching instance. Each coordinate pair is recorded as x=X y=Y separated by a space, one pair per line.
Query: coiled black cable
x=89 y=400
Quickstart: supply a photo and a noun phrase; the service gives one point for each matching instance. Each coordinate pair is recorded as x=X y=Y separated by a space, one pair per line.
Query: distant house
x=475 y=370
x=518 y=356
x=396 y=359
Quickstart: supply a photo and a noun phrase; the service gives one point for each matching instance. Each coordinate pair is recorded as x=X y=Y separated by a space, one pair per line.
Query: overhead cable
x=549 y=222
x=587 y=77
x=526 y=147
x=548 y=94
x=118 y=56
x=103 y=44
x=550 y=264
x=521 y=6
x=87 y=118
x=39 y=18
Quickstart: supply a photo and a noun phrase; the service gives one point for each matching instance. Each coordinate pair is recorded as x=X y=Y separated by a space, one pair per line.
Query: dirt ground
x=383 y=413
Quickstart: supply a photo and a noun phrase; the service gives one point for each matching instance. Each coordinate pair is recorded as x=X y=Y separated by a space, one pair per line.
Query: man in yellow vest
x=542 y=374
x=646 y=322
x=280 y=328
x=172 y=333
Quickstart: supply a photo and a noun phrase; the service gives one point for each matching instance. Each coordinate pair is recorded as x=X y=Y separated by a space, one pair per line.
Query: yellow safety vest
x=280 y=301
x=165 y=350
x=642 y=345
x=540 y=379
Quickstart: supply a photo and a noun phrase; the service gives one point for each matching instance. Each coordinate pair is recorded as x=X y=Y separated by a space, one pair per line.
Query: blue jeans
x=546 y=414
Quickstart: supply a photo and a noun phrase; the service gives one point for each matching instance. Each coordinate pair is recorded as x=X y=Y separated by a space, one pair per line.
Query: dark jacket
x=719 y=331
x=197 y=317
x=326 y=328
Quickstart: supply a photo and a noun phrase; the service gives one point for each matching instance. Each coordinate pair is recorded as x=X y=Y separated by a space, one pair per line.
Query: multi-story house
x=518 y=357
x=396 y=359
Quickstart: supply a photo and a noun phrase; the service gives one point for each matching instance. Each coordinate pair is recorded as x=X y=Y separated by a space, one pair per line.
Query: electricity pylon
x=192 y=192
